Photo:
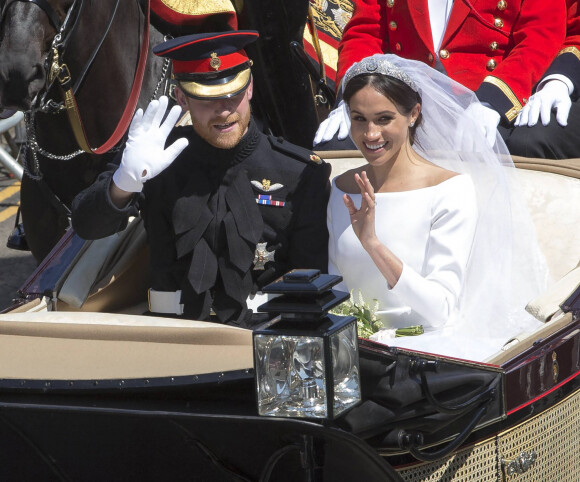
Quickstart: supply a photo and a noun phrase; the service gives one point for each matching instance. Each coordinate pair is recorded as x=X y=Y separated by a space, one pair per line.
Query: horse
x=101 y=44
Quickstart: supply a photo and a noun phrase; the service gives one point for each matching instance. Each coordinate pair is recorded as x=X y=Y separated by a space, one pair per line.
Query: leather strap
x=72 y=109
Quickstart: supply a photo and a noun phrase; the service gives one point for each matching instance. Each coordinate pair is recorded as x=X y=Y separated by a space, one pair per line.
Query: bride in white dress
x=426 y=227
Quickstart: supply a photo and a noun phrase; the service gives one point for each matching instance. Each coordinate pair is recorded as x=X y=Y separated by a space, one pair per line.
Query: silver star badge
x=262 y=256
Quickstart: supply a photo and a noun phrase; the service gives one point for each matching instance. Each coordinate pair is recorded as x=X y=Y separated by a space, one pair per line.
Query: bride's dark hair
x=393 y=89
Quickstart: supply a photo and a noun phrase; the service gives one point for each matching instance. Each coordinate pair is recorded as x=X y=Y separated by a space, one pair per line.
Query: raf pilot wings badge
x=267 y=186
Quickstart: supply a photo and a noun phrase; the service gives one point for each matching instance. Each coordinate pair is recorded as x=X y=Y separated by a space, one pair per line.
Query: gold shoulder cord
x=570 y=50
x=501 y=85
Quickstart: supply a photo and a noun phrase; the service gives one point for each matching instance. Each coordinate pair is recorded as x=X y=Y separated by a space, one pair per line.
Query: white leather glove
x=552 y=96
x=486 y=119
x=145 y=155
x=335 y=122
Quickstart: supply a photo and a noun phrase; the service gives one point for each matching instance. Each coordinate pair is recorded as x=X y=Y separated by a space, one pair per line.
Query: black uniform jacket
x=207 y=212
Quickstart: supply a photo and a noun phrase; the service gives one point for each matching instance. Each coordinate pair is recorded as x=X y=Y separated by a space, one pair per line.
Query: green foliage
x=410 y=331
x=366 y=318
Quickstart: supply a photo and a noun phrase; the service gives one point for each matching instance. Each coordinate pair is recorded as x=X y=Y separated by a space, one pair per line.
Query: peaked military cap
x=210 y=65
x=188 y=16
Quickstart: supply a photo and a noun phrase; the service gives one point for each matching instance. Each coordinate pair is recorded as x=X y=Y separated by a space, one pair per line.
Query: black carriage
x=92 y=389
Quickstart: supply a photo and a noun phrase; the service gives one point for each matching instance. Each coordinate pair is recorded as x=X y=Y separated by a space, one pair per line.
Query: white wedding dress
x=469 y=247
x=431 y=230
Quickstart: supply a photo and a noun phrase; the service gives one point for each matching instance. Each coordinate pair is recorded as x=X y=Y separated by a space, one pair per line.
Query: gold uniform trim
x=199 y=7
x=501 y=85
x=329 y=53
x=238 y=83
x=570 y=50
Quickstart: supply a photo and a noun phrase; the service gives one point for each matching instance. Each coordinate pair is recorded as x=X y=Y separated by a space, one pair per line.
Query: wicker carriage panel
x=553 y=437
x=475 y=463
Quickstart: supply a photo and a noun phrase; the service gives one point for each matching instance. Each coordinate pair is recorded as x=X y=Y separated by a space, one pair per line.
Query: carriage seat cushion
x=554 y=203
x=545 y=306
x=102 y=262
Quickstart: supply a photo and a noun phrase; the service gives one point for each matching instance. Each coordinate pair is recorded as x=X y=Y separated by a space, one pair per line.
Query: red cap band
x=222 y=62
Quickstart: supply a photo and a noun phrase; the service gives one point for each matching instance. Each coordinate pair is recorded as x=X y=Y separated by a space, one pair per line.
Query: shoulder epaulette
x=282 y=145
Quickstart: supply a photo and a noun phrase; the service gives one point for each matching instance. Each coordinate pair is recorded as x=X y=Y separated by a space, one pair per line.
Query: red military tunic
x=498 y=48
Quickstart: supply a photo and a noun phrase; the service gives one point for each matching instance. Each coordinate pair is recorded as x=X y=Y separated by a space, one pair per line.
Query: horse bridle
x=64 y=32
x=58 y=71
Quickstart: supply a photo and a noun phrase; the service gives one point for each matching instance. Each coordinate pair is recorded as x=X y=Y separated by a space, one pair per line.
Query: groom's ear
x=181 y=98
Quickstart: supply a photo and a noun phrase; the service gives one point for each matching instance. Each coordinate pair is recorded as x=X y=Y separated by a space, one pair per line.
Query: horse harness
x=58 y=71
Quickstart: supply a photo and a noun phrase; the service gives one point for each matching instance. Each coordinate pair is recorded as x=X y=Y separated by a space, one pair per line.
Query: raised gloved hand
x=485 y=120
x=552 y=96
x=335 y=122
x=145 y=155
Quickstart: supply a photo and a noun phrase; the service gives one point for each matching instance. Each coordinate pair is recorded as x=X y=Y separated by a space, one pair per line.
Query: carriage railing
x=5 y=158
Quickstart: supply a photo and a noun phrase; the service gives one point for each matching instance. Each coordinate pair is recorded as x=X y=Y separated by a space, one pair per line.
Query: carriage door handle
x=522 y=463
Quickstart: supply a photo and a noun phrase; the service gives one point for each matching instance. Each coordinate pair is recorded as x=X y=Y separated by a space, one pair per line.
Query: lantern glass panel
x=290 y=373
x=346 y=376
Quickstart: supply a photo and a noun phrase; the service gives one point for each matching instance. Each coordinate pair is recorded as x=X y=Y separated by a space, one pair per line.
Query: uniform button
x=443 y=54
x=492 y=64
x=501 y=5
x=398 y=47
x=430 y=57
x=494 y=45
x=392 y=25
x=498 y=22
x=390 y=3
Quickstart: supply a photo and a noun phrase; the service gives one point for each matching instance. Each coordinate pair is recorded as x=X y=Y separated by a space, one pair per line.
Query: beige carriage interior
x=95 y=315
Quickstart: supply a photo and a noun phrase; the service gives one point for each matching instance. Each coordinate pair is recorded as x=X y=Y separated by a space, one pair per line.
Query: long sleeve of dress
x=431 y=230
x=434 y=291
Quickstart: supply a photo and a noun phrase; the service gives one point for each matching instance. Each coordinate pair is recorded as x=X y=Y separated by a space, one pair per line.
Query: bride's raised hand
x=363 y=218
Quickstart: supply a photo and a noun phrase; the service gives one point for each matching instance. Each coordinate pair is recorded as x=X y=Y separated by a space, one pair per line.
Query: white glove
x=145 y=155
x=552 y=96
x=486 y=121
x=335 y=122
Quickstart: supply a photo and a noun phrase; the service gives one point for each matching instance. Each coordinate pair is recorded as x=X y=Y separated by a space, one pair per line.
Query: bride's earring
x=412 y=124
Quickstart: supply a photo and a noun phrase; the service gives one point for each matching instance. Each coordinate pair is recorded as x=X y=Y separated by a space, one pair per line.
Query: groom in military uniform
x=226 y=208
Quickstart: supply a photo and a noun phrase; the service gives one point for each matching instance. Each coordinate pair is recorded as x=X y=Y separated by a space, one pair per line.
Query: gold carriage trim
x=220 y=90
x=199 y=7
x=501 y=85
x=570 y=50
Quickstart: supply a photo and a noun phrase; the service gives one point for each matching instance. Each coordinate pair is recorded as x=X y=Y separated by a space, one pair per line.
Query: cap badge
x=262 y=256
x=215 y=62
x=266 y=185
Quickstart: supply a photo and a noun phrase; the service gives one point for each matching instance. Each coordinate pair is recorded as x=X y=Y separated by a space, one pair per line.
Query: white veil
x=506 y=268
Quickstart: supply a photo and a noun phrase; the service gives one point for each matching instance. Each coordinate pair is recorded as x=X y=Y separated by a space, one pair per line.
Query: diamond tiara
x=370 y=65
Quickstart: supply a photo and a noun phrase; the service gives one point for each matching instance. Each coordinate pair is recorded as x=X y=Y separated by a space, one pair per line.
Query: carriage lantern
x=306 y=359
